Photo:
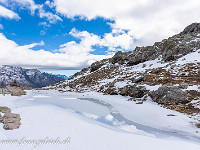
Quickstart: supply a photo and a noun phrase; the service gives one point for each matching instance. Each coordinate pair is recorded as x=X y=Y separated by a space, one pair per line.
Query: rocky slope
x=27 y=77
x=168 y=72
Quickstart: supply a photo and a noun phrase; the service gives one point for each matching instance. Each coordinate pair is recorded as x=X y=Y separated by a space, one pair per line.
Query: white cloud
x=50 y=4
x=33 y=45
x=32 y=6
x=49 y=16
x=4 y=12
x=42 y=32
x=29 y=4
x=44 y=24
x=13 y=54
x=146 y=20
x=117 y=40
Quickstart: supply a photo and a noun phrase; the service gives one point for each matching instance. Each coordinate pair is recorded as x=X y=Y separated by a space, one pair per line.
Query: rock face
x=193 y=28
x=11 y=121
x=168 y=95
x=26 y=77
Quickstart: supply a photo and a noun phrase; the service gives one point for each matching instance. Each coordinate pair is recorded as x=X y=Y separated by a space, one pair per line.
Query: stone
x=18 y=92
x=111 y=91
x=138 y=79
x=133 y=91
x=11 y=115
x=11 y=126
x=5 y=109
x=95 y=66
x=11 y=121
x=194 y=27
x=168 y=95
x=1 y=118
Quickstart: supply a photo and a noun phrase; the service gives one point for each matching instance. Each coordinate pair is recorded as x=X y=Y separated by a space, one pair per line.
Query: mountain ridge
x=26 y=77
x=152 y=71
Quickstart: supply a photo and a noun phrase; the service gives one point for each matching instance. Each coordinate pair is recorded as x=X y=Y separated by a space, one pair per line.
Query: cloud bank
x=146 y=20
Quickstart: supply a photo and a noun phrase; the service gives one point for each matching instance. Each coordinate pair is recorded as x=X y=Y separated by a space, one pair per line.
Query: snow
x=95 y=121
x=189 y=58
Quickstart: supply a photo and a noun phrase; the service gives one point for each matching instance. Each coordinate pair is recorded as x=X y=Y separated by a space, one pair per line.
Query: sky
x=68 y=35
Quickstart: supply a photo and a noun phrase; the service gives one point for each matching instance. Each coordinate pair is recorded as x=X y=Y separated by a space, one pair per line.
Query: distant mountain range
x=62 y=76
x=27 y=77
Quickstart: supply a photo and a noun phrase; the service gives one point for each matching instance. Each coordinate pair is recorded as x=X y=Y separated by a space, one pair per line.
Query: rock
x=11 y=121
x=139 y=103
x=111 y=91
x=138 y=79
x=1 y=118
x=11 y=126
x=168 y=95
x=133 y=91
x=171 y=115
x=11 y=115
x=18 y=92
x=194 y=27
x=119 y=57
x=5 y=109
x=198 y=125
x=95 y=66
x=183 y=86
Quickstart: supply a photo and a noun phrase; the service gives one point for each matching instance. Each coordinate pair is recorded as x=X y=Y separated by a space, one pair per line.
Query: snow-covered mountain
x=27 y=77
x=62 y=76
x=168 y=72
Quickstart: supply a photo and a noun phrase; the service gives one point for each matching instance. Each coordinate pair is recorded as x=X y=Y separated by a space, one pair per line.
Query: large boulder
x=11 y=121
x=18 y=92
x=168 y=95
x=95 y=66
x=119 y=57
x=5 y=109
x=133 y=91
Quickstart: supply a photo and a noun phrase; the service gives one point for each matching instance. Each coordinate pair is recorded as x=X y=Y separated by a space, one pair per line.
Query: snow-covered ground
x=91 y=121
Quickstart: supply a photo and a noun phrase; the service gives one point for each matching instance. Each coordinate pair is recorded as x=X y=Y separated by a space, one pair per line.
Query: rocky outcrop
x=168 y=95
x=11 y=121
x=98 y=64
x=193 y=28
x=14 y=90
x=133 y=91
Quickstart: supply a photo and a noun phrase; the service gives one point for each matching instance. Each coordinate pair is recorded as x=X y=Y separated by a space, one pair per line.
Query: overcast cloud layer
x=136 y=23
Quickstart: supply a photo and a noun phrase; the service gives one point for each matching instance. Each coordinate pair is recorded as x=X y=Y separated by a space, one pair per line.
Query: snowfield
x=93 y=121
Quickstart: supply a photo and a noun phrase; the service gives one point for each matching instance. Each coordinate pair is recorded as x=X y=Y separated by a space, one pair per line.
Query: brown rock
x=1 y=118
x=18 y=92
x=11 y=115
x=11 y=126
x=11 y=121
x=5 y=109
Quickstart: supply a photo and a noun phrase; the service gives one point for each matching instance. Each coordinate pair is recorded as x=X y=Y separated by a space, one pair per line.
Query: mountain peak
x=192 y=28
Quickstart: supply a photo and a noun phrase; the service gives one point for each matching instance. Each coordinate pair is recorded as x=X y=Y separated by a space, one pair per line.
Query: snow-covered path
x=96 y=121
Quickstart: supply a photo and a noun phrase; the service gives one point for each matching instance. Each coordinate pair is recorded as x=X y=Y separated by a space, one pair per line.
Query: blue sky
x=67 y=35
